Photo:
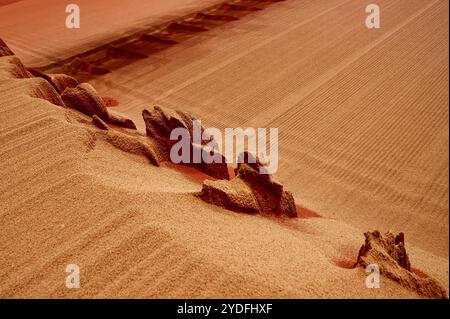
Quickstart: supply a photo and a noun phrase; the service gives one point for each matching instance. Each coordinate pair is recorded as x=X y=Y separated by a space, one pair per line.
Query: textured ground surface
x=362 y=115
x=363 y=120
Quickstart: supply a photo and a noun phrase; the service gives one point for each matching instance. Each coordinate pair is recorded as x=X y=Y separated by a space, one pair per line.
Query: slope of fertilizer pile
x=362 y=118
